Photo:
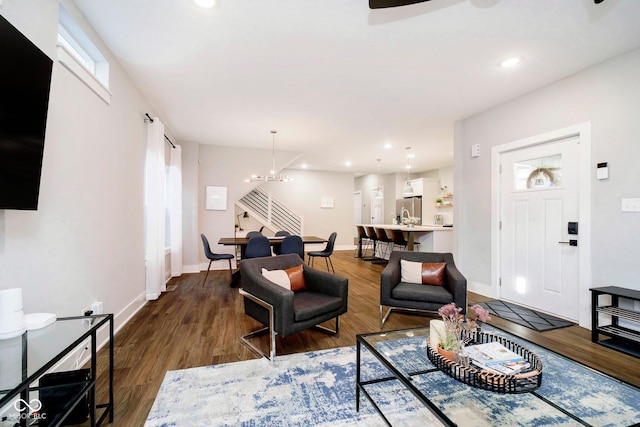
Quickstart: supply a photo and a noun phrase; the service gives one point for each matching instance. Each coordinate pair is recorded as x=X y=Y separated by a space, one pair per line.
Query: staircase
x=271 y=212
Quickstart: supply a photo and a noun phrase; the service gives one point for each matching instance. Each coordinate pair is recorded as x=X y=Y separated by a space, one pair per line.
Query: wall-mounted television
x=25 y=80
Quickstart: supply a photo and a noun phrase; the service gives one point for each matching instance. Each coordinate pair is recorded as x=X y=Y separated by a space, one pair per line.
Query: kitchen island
x=432 y=238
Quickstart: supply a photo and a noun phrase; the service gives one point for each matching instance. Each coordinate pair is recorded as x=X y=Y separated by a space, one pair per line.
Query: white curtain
x=155 y=217
x=175 y=209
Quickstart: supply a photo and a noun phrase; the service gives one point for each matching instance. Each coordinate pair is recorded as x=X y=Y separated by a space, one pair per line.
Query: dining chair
x=325 y=253
x=214 y=257
x=253 y=234
x=280 y=233
x=292 y=245
x=258 y=246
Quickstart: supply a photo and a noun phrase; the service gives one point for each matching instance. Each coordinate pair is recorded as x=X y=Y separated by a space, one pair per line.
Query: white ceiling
x=338 y=80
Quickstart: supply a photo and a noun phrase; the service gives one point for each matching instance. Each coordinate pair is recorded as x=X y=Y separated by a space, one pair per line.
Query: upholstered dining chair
x=253 y=234
x=292 y=245
x=258 y=246
x=279 y=233
x=325 y=253
x=214 y=257
x=421 y=282
x=287 y=296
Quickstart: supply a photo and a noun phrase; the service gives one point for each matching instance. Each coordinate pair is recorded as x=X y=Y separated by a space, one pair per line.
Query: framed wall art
x=215 y=198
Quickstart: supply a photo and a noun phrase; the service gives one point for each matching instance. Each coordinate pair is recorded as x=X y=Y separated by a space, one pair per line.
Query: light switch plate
x=475 y=150
x=630 y=205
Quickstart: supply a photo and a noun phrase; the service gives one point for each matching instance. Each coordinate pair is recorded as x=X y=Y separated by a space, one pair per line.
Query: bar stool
x=363 y=242
x=384 y=238
x=373 y=237
x=397 y=238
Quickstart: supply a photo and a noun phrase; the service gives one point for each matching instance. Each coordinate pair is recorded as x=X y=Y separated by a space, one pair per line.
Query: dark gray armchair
x=284 y=312
x=403 y=296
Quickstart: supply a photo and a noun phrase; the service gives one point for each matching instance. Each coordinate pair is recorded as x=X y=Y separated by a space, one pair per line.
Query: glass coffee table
x=398 y=361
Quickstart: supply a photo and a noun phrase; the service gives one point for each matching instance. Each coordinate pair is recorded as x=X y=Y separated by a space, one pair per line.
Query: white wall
x=226 y=167
x=85 y=241
x=608 y=96
x=303 y=195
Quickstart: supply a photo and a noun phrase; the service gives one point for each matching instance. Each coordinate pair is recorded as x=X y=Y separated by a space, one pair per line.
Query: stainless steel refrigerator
x=411 y=204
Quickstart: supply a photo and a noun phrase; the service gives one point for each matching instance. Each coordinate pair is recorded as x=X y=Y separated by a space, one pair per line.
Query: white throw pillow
x=410 y=271
x=291 y=278
x=279 y=277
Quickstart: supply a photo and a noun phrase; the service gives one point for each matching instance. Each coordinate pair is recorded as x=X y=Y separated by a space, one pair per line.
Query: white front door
x=539 y=189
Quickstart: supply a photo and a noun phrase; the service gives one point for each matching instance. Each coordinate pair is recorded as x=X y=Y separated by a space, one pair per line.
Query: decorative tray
x=523 y=382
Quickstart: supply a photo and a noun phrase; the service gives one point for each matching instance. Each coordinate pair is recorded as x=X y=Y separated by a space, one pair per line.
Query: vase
x=450 y=355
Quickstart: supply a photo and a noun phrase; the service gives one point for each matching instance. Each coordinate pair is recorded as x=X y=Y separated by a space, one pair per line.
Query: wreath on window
x=541 y=178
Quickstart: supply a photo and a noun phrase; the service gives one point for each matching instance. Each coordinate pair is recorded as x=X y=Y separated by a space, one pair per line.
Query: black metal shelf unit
x=621 y=338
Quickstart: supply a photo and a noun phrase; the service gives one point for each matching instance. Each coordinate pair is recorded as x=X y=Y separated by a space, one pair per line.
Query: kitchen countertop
x=425 y=228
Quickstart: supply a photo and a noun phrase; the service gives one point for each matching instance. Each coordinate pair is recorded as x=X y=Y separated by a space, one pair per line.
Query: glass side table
x=26 y=358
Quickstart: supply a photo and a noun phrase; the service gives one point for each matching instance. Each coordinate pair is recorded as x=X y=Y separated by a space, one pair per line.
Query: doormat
x=524 y=316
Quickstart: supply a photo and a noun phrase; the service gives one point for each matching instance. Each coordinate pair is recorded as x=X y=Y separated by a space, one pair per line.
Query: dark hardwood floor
x=196 y=326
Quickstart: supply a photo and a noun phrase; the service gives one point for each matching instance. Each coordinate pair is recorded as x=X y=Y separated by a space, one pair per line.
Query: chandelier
x=273 y=176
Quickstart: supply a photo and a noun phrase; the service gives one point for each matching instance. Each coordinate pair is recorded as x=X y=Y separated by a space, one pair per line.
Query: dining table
x=241 y=242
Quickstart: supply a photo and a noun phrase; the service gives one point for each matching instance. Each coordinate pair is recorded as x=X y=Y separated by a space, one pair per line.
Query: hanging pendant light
x=378 y=194
x=272 y=176
x=408 y=189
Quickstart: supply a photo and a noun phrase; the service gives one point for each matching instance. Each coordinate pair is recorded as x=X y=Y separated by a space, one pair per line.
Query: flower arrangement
x=456 y=326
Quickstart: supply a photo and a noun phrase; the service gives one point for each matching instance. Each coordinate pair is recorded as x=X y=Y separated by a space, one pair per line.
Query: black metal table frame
x=406 y=381
x=89 y=387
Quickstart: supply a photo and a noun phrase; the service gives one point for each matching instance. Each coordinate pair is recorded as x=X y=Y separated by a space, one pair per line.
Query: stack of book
x=495 y=357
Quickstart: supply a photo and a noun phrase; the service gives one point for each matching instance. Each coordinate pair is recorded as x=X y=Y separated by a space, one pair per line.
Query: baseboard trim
x=190 y=269
x=68 y=363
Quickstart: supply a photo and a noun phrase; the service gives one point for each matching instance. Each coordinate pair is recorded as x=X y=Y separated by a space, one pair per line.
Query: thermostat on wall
x=602 y=170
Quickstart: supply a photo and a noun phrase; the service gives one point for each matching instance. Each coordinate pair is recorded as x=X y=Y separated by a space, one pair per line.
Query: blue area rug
x=318 y=388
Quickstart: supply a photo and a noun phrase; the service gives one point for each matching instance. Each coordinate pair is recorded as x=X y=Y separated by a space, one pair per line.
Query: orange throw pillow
x=296 y=278
x=291 y=278
x=433 y=273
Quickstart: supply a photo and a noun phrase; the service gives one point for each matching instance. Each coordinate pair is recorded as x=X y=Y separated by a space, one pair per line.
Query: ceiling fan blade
x=381 y=4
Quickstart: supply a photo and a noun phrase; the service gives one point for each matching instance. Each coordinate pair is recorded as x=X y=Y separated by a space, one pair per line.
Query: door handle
x=570 y=243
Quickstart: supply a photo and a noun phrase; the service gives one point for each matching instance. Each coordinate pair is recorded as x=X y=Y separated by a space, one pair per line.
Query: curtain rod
x=165 y=137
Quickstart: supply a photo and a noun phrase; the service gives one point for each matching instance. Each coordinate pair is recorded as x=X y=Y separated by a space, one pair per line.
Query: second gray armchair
x=410 y=296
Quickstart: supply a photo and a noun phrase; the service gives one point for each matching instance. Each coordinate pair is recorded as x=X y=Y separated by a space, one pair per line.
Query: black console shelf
x=623 y=339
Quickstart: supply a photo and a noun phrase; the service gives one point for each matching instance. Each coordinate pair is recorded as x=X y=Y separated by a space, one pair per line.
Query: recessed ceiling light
x=511 y=62
x=347 y=163
x=205 y=3
x=304 y=166
x=388 y=145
